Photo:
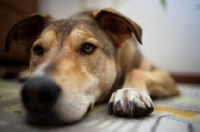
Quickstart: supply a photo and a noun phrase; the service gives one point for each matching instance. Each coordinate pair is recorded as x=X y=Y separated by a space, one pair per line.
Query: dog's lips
x=49 y=118
x=42 y=118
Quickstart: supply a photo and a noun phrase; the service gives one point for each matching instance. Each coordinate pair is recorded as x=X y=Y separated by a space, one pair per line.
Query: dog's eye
x=88 y=48
x=38 y=50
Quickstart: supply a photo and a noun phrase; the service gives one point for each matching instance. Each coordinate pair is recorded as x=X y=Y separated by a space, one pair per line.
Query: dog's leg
x=134 y=97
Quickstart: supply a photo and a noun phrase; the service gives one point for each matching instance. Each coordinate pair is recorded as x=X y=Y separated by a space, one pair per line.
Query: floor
x=178 y=114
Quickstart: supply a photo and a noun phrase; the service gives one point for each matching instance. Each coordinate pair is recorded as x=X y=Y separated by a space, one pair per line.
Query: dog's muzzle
x=40 y=94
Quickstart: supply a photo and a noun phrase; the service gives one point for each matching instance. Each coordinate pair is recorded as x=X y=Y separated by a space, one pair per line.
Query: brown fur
x=115 y=63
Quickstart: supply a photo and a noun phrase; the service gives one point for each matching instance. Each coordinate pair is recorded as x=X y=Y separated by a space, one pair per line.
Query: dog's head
x=73 y=61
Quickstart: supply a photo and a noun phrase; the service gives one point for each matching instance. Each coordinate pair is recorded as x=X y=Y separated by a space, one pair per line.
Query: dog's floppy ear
x=118 y=25
x=26 y=31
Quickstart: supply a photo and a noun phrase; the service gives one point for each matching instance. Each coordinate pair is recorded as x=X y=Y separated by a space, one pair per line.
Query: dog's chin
x=49 y=119
x=43 y=120
x=62 y=115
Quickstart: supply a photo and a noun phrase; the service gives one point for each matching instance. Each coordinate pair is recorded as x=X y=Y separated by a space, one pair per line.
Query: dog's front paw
x=130 y=102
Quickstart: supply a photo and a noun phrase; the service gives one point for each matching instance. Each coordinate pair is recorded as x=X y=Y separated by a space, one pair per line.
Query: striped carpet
x=176 y=114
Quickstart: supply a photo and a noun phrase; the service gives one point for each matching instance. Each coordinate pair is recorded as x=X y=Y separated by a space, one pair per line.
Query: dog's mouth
x=50 y=118
x=40 y=119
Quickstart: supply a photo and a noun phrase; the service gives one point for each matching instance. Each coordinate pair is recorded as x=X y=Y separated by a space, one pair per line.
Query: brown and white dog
x=88 y=58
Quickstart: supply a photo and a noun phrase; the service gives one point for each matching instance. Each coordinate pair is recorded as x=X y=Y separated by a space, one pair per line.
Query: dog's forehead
x=88 y=27
x=65 y=26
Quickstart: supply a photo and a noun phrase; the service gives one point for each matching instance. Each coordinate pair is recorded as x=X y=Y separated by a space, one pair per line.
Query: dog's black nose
x=40 y=94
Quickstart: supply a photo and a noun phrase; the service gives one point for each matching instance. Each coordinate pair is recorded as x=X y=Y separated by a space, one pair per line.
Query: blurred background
x=171 y=28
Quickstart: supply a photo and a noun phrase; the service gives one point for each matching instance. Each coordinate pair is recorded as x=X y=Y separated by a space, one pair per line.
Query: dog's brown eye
x=88 y=48
x=38 y=50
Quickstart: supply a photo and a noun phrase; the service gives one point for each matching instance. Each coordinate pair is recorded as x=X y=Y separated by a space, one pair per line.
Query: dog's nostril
x=49 y=94
x=39 y=94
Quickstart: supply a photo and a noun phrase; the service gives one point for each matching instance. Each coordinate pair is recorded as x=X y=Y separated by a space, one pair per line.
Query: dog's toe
x=130 y=102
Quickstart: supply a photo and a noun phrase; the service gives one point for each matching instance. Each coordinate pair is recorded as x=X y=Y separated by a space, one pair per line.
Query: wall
x=171 y=37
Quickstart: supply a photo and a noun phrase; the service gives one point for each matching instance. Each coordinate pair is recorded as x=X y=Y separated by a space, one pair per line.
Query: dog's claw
x=150 y=110
x=118 y=106
x=129 y=102
x=118 y=109
x=131 y=107
x=135 y=112
x=139 y=112
x=110 y=108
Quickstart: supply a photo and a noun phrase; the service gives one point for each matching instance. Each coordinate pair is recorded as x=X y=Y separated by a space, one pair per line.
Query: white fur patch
x=40 y=70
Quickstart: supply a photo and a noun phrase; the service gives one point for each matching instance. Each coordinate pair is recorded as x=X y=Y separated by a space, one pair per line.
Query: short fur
x=113 y=69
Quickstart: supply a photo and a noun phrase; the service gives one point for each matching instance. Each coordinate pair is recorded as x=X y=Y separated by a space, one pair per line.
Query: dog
x=90 y=58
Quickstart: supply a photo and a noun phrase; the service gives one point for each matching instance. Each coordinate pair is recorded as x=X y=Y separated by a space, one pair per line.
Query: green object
x=96 y=109
x=163 y=3
x=187 y=99
x=6 y=98
x=15 y=109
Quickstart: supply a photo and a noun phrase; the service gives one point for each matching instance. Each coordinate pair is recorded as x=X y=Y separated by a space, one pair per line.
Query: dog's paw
x=130 y=102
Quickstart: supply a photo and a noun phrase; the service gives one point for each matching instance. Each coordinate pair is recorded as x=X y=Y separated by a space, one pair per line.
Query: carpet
x=176 y=114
